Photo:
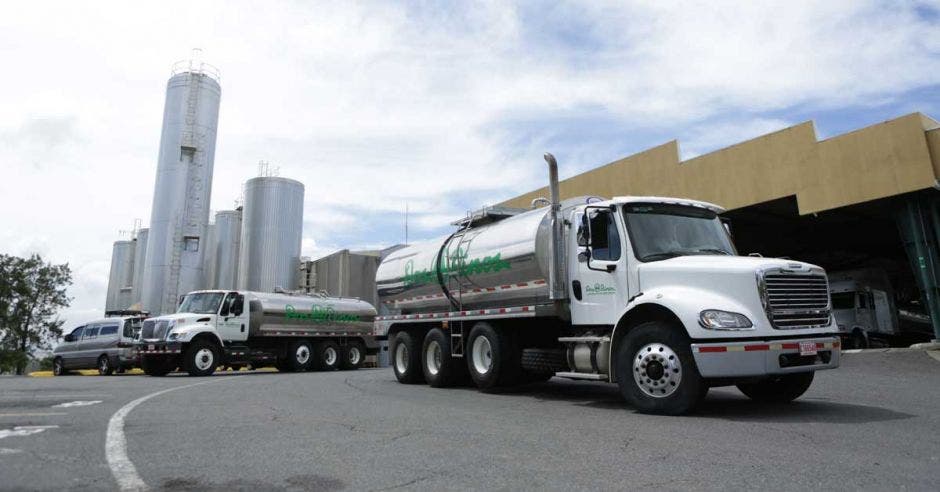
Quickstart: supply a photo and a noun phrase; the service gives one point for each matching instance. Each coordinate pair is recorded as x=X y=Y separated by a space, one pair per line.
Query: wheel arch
x=640 y=314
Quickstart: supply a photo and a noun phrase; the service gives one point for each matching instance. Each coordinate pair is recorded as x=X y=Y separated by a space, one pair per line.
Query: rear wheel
x=494 y=360
x=780 y=389
x=104 y=366
x=405 y=358
x=300 y=355
x=201 y=358
x=656 y=371
x=58 y=367
x=354 y=354
x=437 y=365
x=327 y=356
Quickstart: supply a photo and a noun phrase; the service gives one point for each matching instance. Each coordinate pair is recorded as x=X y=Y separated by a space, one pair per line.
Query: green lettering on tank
x=599 y=289
x=319 y=314
x=455 y=262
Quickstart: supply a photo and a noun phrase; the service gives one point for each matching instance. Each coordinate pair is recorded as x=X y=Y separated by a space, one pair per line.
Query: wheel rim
x=354 y=355
x=103 y=365
x=329 y=355
x=482 y=354
x=57 y=367
x=433 y=358
x=303 y=354
x=401 y=358
x=204 y=359
x=657 y=370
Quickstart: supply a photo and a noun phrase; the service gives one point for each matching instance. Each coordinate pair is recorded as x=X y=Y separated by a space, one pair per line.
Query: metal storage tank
x=272 y=230
x=209 y=259
x=140 y=254
x=180 y=213
x=121 y=277
x=228 y=233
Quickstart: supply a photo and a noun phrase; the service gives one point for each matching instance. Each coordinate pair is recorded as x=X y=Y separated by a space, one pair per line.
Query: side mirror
x=68 y=338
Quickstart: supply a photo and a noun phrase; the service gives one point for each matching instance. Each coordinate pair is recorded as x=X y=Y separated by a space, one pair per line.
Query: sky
x=445 y=106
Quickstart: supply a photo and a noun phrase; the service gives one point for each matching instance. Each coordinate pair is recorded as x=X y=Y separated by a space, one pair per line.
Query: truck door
x=232 y=324
x=597 y=267
x=864 y=316
x=882 y=311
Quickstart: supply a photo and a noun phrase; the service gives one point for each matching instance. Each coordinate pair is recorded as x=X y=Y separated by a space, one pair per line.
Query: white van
x=106 y=344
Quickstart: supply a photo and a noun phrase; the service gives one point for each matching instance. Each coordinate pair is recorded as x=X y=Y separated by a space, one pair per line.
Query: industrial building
x=344 y=273
x=867 y=198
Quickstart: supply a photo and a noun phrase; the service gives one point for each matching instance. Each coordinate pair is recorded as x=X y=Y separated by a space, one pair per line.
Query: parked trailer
x=215 y=328
x=646 y=292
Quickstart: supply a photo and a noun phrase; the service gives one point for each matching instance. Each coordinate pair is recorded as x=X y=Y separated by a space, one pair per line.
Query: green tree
x=32 y=292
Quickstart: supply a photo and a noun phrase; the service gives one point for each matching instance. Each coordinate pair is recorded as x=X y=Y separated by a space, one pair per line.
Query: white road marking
x=115 y=444
x=76 y=404
x=9 y=451
x=37 y=414
x=25 y=430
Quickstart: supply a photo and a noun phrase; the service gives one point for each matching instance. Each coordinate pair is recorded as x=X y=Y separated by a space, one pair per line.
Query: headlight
x=713 y=319
x=173 y=336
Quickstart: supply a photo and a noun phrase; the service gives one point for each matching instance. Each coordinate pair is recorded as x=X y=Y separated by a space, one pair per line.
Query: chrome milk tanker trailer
x=235 y=328
x=645 y=292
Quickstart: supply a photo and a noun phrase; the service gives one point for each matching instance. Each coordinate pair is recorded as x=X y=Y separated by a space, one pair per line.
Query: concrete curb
x=926 y=346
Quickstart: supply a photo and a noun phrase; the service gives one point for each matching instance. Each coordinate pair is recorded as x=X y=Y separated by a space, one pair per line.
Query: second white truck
x=645 y=292
x=236 y=328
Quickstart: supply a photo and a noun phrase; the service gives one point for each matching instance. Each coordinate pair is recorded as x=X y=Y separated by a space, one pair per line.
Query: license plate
x=807 y=348
x=151 y=347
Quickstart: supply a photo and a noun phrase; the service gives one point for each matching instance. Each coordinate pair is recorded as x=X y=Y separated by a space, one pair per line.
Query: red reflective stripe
x=751 y=348
x=505 y=286
x=713 y=349
x=522 y=285
x=789 y=346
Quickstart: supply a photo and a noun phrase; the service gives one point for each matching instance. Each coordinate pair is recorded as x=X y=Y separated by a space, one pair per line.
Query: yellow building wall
x=874 y=162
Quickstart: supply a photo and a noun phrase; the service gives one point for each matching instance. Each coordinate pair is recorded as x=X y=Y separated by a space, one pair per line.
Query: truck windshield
x=201 y=303
x=661 y=231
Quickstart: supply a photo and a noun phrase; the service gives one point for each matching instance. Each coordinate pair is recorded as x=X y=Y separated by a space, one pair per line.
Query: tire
x=327 y=356
x=300 y=356
x=405 y=359
x=154 y=366
x=354 y=355
x=656 y=372
x=104 y=366
x=779 y=389
x=493 y=359
x=58 y=367
x=857 y=341
x=283 y=365
x=440 y=370
x=201 y=358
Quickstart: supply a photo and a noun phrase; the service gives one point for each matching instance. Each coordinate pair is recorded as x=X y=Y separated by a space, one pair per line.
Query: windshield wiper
x=662 y=256
x=713 y=250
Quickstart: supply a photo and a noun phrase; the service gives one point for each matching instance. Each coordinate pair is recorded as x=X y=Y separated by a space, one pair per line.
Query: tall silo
x=209 y=259
x=180 y=210
x=272 y=230
x=121 y=277
x=140 y=255
x=228 y=233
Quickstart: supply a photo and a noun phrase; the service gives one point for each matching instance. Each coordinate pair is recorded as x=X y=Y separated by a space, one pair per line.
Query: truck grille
x=152 y=330
x=795 y=300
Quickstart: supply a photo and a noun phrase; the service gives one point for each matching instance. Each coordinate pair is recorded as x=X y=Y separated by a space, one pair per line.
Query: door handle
x=243 y=328
x=576 y=288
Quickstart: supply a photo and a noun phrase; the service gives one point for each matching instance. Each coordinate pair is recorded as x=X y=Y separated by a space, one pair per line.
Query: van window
x=77 y=333
x=90 y=332
x=108 y=330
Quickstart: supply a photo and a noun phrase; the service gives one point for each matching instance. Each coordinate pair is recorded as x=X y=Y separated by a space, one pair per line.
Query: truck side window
x=605 y=240
x=238 y=305
x=862 y=300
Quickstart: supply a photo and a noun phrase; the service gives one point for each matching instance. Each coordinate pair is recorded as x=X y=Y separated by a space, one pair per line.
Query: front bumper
x=158 y=348
x=764 y=358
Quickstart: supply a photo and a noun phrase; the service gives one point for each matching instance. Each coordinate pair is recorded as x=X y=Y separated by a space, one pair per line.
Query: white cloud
x=376 y=104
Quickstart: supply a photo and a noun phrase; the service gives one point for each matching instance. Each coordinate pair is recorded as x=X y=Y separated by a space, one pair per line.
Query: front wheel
x=104 y=366
x=656 y=371
x=156 y=366
x=406 y=360
x=201 y=358
x=779 y=389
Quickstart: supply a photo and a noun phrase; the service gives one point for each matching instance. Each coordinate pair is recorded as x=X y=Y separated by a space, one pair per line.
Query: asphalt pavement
x=872 y=424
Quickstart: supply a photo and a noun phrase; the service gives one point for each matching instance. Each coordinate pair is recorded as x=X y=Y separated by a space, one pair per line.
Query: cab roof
x=620 y=200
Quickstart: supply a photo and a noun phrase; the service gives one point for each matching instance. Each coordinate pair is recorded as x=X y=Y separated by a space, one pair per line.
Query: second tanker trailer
x=645 y=292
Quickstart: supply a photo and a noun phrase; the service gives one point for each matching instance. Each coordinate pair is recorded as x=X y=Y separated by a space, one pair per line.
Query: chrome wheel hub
x=657 y=370
x=482 y=354
x=303 y=354
x=204 y=359
x=354 y=356
x=330 y=356
x=401 y=358
x=432 y=358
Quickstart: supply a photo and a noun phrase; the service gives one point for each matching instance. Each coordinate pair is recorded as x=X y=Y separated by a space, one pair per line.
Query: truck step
x=582 y=375
x=585 y=339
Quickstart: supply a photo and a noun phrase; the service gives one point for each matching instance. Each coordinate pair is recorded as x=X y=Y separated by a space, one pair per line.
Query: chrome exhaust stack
x=556 y=272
